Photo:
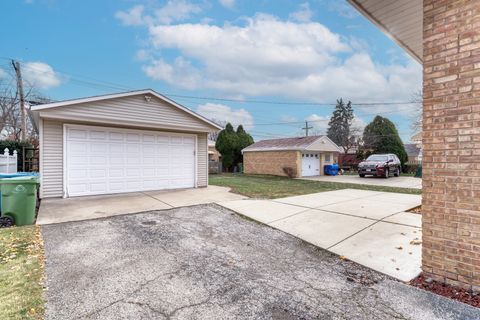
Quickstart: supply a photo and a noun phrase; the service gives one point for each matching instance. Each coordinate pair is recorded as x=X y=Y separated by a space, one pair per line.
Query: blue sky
x=270 y=50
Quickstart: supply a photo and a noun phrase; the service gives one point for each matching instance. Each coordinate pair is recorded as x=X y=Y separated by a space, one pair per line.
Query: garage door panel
x=116 y=136
x=133 y=137
x=113 y=160
x=77 y=134
x=98 y=135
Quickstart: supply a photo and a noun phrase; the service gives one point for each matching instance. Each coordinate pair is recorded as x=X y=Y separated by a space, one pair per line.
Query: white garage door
x=310 y=164
x=103 y=160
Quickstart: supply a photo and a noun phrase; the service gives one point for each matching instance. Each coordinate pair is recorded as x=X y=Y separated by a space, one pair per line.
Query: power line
x=116 y=86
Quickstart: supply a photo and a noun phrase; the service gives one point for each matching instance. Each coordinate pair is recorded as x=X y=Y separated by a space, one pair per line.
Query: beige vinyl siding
x=52 y=159
x=202 y=160
x=131 y=111
x=323 y=144
x=402 y=20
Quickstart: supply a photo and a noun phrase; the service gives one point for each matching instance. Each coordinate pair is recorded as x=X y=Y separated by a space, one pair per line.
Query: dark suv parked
x=380 y=165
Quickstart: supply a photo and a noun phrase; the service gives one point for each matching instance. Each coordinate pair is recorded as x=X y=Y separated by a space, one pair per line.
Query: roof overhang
x=400 y=20
x=36 y=110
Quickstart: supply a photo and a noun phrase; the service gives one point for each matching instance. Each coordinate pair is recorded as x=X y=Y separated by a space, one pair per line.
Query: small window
x=303 y=156
x=308 y=155
x=316 y=156
x=311 y=155
x=327 y=157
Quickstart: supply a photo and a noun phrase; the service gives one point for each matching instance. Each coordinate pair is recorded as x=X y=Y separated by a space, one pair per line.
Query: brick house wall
x=272 y=162
x=451 y=142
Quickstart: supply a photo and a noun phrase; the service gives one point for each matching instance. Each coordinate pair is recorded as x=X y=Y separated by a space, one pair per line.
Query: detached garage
x=303 y=156
x=127 y=142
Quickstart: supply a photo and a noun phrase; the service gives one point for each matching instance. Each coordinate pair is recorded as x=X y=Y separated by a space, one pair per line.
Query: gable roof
x=71 y=102
x=289 y=144
x=412 y=149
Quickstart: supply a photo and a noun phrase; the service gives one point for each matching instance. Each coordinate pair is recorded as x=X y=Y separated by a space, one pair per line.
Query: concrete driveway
x=83 y=208
x=206 y=262
x=397 y=182
x=369 y=227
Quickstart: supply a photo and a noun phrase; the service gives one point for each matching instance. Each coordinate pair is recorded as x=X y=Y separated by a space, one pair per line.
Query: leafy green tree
x=381 y=136
x=340 y=125
x=227 y=145
x=244 y=140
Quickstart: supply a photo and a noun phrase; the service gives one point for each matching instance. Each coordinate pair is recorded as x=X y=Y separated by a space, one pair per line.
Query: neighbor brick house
x=213 y=154
x=305 y=156
x=413 y=152
x=444 y=36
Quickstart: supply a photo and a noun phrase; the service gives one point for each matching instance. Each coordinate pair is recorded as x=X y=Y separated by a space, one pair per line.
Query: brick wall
x=271 y=162
x=451 y=140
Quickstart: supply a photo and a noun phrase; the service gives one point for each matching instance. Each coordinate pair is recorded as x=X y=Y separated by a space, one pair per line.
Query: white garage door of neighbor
x=310 y=164
x=103 y=160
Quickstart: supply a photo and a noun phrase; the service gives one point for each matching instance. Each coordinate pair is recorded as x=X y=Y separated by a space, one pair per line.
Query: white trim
x=40 y=157
x=195 y=155
x=98 y=121
x=121 y=95
x=207 y=166
x=286 y=149
x=81 y=126
x=384 y=29
x=64 y=149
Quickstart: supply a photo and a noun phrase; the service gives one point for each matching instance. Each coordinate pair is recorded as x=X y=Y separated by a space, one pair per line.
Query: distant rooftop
x=297 y=143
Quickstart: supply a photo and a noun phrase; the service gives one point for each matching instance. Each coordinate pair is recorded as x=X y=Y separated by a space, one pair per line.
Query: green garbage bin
x=19 y=199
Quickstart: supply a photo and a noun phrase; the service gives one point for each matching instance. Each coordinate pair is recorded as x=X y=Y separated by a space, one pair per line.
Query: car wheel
x=387 y=173
x=362 y=175
x=397 y=172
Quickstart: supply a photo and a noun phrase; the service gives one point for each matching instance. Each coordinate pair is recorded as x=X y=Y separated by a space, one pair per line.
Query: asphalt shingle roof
x=297 y=143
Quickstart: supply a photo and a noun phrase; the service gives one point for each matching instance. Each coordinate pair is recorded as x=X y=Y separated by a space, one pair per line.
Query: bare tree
x=212 y=136
x=10 y=117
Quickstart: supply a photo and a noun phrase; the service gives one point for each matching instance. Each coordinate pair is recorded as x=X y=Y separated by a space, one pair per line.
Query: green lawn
x=21 y=273
x=270 y=187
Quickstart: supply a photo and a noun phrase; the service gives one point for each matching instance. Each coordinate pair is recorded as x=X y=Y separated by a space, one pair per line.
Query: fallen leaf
x=399 y=248
x=416 y=242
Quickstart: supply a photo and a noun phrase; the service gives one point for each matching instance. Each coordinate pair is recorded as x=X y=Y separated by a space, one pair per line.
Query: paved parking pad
x=331 y=227
x=206 y=262
x=369 y=227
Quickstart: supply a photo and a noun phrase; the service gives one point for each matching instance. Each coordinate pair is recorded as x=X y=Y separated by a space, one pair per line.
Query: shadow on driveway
x=206 y=262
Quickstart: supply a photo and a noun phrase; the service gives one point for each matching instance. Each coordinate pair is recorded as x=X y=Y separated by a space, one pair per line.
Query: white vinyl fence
x=8 y=163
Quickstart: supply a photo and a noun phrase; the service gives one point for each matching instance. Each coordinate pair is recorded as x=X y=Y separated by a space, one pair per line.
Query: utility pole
x=18 y=72
x=306 y=128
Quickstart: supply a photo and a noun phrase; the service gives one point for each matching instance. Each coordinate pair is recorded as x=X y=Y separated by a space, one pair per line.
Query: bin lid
x=21 y=179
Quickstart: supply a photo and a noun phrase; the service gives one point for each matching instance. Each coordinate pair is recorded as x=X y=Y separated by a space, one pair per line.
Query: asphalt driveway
x=206 y=262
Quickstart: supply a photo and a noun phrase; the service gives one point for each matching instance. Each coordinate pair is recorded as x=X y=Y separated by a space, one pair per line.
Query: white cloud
x=268 y=56
x=173 y=10
x=132 y=17
x=176 y=10
x=304 y=13
x=220 y=112
x=230 y=4
x=342 y=8
x=40 y=75
x=320 y=123
x=288 y=118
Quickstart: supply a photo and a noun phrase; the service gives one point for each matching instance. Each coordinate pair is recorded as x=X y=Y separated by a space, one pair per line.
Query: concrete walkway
x=59 y=210
x=396 y=182
x=368 y=227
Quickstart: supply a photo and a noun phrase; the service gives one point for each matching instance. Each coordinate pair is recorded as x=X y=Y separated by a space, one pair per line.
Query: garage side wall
x=51 y=158
x=202 y=160
x=272 y=162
